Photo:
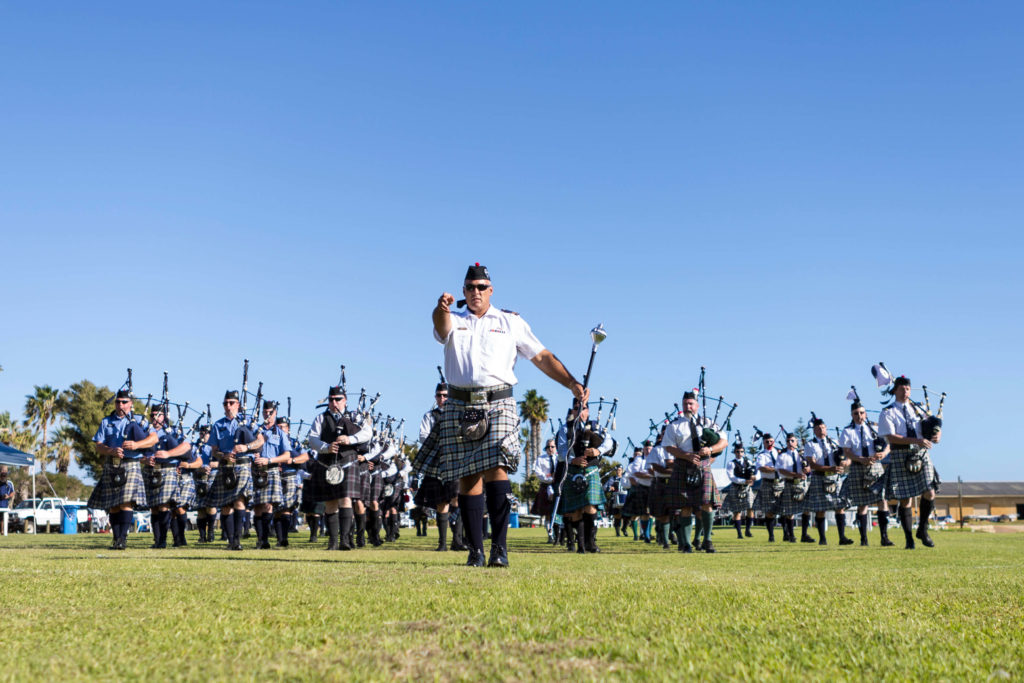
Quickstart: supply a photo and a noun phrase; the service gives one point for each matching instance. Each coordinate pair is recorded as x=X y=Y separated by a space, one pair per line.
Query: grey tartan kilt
x=636 y=501
x=166 y=493
x=106 y=495
x=853 y=487
x=739 y=498
x=376 y=486
x=273 y=493
x=787 y=506
x=679 y=496
x=290 y=489
x=819 y=501
x=449 y=457
x=185 y=496
x=592 y=495
x=658 y=500
x=317 y=490
x=766 y=502
x=220 y=496
x=903 y=483
x=433 y=492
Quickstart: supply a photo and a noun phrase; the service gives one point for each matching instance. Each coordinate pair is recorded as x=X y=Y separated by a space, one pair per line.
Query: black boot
x=805 y=523
x=590 y=528
x=361 y=530
x=907 y=522
x=442 y=532
x=345 y=518
x=333 y=527
x=570 y=535
x=883 y=528
x=581 y=539
x=739 y=533
x=373 y=527
x=458 y=535
x=819 y=524
x=841 y=526
x=922 y=525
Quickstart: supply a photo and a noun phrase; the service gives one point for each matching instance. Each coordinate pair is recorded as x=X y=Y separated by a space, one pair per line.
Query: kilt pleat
x=449 y=457
x=906 y=484
x=593 y=494
x=376 y=485
x=166 y=492
x=787 y=505
x=317 y=490
x=767 y=501
x=433 y=492
x=680 y=496
x=636 y=501
x=819 y=501
x=854 y=490
x=220 y=495
x=290 y=490
x=185 y=496
x=273 y=493
x=133 y=492
x=659 y=501
x=739 y=498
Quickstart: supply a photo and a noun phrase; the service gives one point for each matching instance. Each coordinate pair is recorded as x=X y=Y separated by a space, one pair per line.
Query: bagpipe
x=743 y=467
x=930 y=425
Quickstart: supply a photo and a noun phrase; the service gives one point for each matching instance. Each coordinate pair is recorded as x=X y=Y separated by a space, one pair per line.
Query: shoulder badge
x=505 y=310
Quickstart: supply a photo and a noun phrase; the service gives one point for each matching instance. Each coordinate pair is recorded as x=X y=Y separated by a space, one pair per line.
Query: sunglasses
x=229 y=403
x=124 y=400
x=337 y=398
x=478 y=288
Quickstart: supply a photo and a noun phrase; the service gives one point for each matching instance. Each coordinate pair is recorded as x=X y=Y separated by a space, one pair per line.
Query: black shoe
x=235 y=545
x=476 y=559
x=771 y=539
x=739 y=535
x=708 y=547
x=280 y=544
x=909 y=545
x=886 y=543
x=925 y=539
x=748 y=534
x=499 y=557
x=686 y=549
x=441 y=548
x=156 y=546
x=265 y=545
x=822 y=542
x=806 y=539
x=864 y=544
x=595 y=549
x=344 y=545
x=665 y=545
x=845 y=540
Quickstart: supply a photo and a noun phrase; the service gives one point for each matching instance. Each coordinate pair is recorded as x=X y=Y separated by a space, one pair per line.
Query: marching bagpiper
x=639 y=492
x=232 y=444
x=290 y=484
x=866 y=482
x=162 y=476
x=772 y=484
x=267 y=482
x=739 y=501
x=827 y=462
x=792 y=470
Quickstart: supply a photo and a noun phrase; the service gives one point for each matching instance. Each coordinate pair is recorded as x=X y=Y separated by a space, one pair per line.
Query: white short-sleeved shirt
x=732 y=472
x=658 y=456
x=767 y=459
x=544 y=467
x=637 y=465
x=856 y=437
x=788 y=461
x=894 y=419
x=680 y=435
x=820 y=451
x=482 y=352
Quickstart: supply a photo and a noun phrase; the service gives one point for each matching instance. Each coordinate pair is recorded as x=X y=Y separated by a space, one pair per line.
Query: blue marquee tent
x=12 y=456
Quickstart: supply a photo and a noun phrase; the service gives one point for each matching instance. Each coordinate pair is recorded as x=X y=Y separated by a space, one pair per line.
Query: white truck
x=43 y=514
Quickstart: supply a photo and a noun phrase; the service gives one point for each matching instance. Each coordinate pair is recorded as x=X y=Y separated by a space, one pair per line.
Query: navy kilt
x=434 y=492
x=679 y=496
x=902 y=482
x=185 y=496
x=659 y=499
x=220 y=496
x=636 y=501
x=308 y=506
x=273 y=493
x=592 y=495
x=166 y=492
x=854 y=489
x=787 y=505
x=543 y=503
x=739 y=498
x=767 y=500
x=133 y=492
x=819 y=501
x=449 y=457
x=290 y=490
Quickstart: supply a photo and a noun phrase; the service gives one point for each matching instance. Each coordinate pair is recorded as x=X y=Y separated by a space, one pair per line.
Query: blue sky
x=784 y=194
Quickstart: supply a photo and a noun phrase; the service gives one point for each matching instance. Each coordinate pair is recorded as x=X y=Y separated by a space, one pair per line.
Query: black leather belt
x=479 y=395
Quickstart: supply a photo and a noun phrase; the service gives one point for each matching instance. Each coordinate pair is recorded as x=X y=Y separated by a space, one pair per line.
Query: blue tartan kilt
x=449 y=457
x=680 y=496
x=659 y=499
x=220 y=496
x=166 y=492
x=766 y=502
x=819 y=501
x=317 y=490
x=636 y=501
x=433 y=492
x=133 y=492
x=904 y=483
x=185 y=496
x=291 y=491
x=273 y=493
x=739 y=498
x=593 y=494
x=854 y=490
x=787 y=505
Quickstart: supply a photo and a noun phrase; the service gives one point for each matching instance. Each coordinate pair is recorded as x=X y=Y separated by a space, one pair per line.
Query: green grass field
x=74 y=610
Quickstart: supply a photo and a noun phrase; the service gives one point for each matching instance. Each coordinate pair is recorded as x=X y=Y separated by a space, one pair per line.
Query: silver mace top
x=598 y=334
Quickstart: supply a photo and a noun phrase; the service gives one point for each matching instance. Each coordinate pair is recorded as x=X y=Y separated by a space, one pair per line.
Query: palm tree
x=39 y=413
x=533 y=409
x=64 y=444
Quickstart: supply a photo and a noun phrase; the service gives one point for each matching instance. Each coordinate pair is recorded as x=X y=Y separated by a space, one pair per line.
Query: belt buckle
x=477 y=396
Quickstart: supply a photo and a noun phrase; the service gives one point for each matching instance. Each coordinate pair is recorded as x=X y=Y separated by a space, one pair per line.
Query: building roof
x=984 y=488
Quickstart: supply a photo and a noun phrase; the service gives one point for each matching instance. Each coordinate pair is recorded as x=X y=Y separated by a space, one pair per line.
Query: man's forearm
x=554 y=368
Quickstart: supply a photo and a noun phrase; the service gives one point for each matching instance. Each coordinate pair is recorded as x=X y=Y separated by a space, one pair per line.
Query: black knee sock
x=883 y=524
x=346 y=516
x=862 y=527
x=750 y=520
x=805 y=523
x=907 y=522
x=459 y=532
x=589 y=531
x=227 y=525
x=499 y=510
x=442 y=529
x=333 y=527
x=616 y=524
x=770 y=524
x=926 y=511
x=361 y=528
x=841 y=524
x=267 y=520
x=819 y=524
x=115 y=525
x=471 y=511
x=789 y=529
x=736 y=523
x=239 y=525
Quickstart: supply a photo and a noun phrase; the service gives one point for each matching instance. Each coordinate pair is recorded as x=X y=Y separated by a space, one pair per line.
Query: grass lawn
x=71 y=609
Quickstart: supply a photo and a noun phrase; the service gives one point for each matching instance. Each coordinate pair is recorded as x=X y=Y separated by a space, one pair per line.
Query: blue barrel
x=69 y=519
x=513 y=520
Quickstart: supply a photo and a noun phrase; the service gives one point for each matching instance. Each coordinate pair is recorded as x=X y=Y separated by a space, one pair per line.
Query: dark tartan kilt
x=319 y=491
x=166 y=492
x=290 y=489
x=659 y=499
x=853 y=488
x=786 y=505
x=739 y=498
x=592 y=495
x=433 y=492
x=449 y=457
x=273 y=493
x=376 y=486
x=766 y=502
x=543 y=503
x=636 y=501
x=220 y=496
x=185 y=496
x=308 y=506
x=903 y=483
x=679 y=496
x=106 y=495
x=395 y=499
x=819 y=501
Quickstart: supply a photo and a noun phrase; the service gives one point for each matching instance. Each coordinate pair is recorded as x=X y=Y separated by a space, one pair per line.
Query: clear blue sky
x=785 y=194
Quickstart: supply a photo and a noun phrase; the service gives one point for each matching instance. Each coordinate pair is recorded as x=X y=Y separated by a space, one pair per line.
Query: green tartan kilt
x=591 y=495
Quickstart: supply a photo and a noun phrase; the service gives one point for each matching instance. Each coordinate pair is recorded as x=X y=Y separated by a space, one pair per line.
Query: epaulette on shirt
x=505 y=310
